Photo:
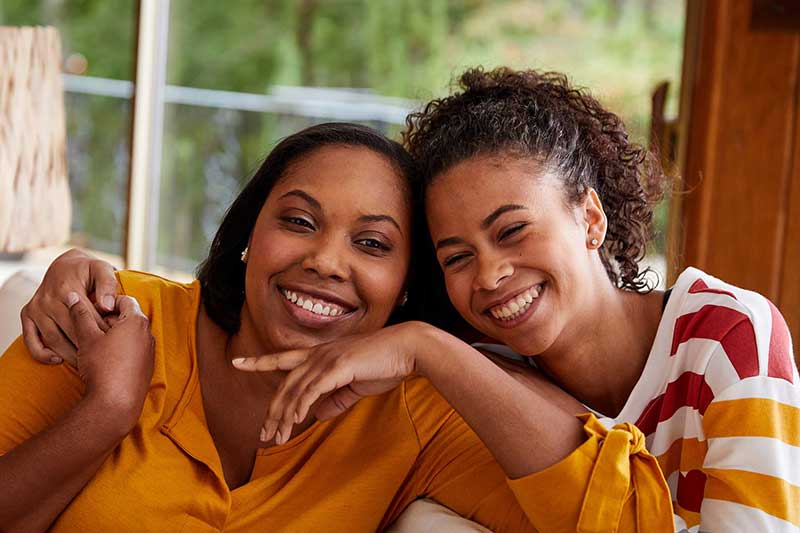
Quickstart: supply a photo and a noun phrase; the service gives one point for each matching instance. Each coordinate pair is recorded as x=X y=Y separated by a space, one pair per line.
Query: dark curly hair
x=222 y=273
x=526 y=113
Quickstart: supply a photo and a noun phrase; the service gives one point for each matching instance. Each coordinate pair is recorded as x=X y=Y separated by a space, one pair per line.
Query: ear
x=594 y=217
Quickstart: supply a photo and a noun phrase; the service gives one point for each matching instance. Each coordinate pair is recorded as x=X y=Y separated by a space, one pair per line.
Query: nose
x=492 y=271
x=328 y=259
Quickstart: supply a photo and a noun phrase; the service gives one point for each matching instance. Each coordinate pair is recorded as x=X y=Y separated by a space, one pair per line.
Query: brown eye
x=511 y=231
x=375 y=244
x=454 y=259
x=298 y=221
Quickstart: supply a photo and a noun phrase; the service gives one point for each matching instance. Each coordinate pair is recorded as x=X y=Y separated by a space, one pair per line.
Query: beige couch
x=14 y=293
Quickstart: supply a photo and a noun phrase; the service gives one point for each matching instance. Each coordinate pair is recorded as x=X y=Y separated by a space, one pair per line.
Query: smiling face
x=518 y=261
x=330 y=250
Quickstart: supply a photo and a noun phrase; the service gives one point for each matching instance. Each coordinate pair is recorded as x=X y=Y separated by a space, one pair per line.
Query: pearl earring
x=594 y=242
x=244 y=254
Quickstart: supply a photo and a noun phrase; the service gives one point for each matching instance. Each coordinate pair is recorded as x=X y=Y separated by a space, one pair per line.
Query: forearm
x=524 y=429
x=41 y=476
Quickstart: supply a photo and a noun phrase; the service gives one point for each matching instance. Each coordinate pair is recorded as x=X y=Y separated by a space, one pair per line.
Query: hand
x=338 y=374
x=47 y=328
x=115 y=365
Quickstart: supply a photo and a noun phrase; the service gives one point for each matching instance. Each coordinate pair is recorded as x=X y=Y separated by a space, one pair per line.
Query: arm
x=46 y=325
x=42 y=469
x=751 y=469
x=566 y=472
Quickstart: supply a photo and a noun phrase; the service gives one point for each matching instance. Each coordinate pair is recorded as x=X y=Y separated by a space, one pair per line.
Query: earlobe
x=595 y=219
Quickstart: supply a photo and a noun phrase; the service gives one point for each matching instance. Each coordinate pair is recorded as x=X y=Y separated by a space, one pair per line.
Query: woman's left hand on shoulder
x=336 y=374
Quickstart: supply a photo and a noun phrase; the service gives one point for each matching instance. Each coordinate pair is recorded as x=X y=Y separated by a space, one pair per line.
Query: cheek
x=380 y=287
x=458 y=290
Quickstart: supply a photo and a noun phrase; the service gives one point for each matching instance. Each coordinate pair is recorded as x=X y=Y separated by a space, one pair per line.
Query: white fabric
x=14 y=294
x=425 y=516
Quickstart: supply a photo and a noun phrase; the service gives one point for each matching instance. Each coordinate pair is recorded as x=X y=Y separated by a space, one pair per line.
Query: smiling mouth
x=314 y=304
x=518 y=305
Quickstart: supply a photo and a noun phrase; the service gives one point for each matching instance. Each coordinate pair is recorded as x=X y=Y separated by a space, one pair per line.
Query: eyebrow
x=305 y=196
x=488 y=221
x=363 y=218
x=380 y=218
x=494 y=215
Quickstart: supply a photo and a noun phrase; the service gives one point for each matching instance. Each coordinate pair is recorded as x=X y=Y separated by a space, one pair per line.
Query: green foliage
x=403 y=48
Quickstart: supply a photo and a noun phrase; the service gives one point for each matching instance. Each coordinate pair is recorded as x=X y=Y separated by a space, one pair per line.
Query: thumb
x=81 y=314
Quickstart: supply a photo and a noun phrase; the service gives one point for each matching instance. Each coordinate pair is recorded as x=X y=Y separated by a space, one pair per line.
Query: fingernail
x=108 y=302
x=297 y=418
x=279 y=438
x=55 y=360
x=238 y=361
x=72 y=299
x=263 y=435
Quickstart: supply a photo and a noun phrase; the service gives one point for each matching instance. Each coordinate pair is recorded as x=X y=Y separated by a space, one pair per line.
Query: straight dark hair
x=222 y=273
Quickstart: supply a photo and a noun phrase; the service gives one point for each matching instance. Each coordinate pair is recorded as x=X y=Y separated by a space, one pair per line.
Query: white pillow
x=426 y=516
x=16 y=292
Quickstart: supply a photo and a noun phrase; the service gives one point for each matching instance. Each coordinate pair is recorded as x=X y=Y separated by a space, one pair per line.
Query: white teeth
x=317 y=308
x=516 y=306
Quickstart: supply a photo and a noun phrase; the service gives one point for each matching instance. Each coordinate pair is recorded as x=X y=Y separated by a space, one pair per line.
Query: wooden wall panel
x=742 y=155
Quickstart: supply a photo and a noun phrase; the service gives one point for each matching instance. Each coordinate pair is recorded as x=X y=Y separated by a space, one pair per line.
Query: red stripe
x=730 y=327
x=700 y=286
x=690 y=490
x=780 y=353
x=690 y=389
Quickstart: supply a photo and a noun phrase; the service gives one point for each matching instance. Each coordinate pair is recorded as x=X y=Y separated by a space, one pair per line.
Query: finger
x=288 y=360
x=276 y=410
x=336 y=404
x=30 y=334
x=105 y=284
x=55 y=339
x=85 y=326
x=312 y=392
x=127 y=306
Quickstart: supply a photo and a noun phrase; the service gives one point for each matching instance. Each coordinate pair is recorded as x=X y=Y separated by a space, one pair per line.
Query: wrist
x=114 y=415
x=429 y=347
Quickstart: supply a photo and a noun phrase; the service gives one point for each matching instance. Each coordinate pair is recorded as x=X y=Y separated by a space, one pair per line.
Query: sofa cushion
x=15 y=293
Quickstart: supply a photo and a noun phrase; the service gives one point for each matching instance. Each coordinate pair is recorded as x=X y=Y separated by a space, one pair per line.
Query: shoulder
x=428 y=410
x=741 y=331
x=157 y=295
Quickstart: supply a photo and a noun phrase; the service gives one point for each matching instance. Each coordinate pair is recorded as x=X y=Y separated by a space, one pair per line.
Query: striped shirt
x=719 y=404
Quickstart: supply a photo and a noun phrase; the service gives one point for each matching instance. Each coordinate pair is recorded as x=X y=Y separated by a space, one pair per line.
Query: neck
x=223 y=347
x=601 y=356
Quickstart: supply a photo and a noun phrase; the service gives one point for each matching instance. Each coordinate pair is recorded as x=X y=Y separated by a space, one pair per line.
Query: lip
x=508 y=324
x=508 y=296
x=307 y=318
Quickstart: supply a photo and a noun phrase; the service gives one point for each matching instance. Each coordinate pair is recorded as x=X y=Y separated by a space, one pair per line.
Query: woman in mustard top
x=156 y=430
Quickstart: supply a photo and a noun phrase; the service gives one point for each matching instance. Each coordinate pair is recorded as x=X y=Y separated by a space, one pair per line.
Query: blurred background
x=221 y=82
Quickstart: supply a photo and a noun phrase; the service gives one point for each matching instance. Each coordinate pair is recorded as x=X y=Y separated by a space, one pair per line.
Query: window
x=226 y=80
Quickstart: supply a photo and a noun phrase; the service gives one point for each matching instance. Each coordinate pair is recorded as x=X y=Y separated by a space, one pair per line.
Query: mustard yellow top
x=354 y=473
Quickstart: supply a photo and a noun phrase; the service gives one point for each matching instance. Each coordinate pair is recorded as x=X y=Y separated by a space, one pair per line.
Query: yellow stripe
x=683 y=454
x=753 y=417
x=772 y=495
x=690 y=517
